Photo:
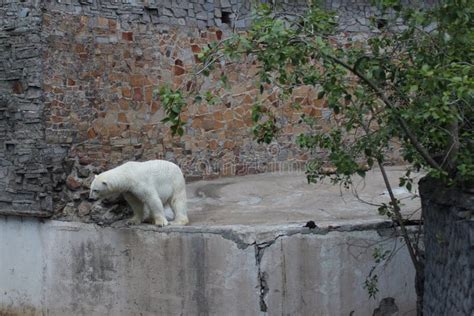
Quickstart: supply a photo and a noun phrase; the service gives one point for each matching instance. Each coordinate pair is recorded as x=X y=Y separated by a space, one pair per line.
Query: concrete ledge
x=65 y=268
x=245 y=253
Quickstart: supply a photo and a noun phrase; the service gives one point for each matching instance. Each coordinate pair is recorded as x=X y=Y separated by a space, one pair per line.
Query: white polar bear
x=147 y=187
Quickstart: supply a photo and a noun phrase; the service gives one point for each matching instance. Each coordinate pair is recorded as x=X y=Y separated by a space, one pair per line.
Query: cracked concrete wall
x=62 y=268
x=323 y=275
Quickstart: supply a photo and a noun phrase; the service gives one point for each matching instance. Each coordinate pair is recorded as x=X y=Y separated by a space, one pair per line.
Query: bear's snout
x=92 y=196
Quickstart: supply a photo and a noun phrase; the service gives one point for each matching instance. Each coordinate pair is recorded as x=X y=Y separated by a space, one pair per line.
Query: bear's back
x=158 y=169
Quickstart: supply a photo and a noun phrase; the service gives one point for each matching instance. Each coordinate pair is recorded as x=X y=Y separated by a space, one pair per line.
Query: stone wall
x=355 y=15
x=102 y=66
x=77 y=97
x=449 y=249
x=28 y=165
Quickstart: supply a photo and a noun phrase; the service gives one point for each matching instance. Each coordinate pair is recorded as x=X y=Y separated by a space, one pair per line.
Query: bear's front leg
x=137 y=207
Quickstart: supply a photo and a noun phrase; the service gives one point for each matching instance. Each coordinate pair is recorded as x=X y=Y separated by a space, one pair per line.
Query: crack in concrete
x=244 y=238
x=262 y=275
x=228 y=234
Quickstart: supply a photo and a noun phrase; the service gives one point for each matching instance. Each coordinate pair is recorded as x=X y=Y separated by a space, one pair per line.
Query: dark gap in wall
x=152 y=11
x=225 y=19
x=10 y=147
x=381 y=23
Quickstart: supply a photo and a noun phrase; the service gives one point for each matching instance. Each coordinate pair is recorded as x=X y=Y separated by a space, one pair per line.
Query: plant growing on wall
x=412 y=84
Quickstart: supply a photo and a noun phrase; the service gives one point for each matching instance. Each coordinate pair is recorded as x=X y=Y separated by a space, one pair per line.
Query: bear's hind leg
x=157 y=212
x=178 y=204
x=137 y=207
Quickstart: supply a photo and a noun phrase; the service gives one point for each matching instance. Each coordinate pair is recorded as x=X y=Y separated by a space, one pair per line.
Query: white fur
x=147 y=187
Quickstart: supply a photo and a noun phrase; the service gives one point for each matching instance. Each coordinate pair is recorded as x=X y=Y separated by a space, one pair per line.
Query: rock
x=83 y=172
x=87 y=182
x=73 y=183
x=74 y=195
x=69 y=209
x=85 y=160
x=106 y=215
x=84 y=208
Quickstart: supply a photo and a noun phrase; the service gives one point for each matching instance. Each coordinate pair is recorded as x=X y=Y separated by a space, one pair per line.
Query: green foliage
x=370 y=284
x=173 y=103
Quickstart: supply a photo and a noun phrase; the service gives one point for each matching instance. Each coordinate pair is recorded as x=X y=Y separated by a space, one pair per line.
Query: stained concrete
x=234 y=259
x=283 y=198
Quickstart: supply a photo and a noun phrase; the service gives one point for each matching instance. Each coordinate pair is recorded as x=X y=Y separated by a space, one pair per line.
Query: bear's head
x=99 y=188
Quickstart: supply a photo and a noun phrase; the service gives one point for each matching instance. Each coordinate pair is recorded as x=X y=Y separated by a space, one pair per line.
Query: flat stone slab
x=287 y=198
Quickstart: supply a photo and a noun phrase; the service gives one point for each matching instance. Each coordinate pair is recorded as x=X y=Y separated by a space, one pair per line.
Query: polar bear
x=147 y=187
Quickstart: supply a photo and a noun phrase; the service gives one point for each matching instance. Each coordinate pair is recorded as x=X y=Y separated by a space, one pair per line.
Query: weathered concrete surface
x=70 y=268
x=236 y=258
x=278 y=198
x=61 y=268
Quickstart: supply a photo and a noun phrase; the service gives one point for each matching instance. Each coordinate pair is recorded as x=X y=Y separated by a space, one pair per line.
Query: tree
x=412 y=83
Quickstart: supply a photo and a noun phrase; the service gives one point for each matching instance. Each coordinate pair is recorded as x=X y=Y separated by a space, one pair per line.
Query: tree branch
x=412 y=249
x=418 y=146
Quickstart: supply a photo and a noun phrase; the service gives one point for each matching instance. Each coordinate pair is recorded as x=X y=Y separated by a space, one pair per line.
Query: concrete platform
x=246 y=252
x=287 y=198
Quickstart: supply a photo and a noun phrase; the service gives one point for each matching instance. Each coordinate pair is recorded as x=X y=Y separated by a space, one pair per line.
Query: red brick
x=197 y=122
x=102 y=22
x=148 y=94
x=127 y=36
x=124 y=104
x=195 y=48
x=155 y=106
x=122 y=118
x=218 y=116
x=219 y=35
x=80 y=48
x=112 y=24
x=178 y=68
x=228 y=116
x=213 y=144
x=137 y=94
x=137 y=80
x=126 y=93
x=91 y=133
x=229 y=144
